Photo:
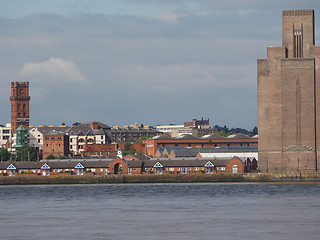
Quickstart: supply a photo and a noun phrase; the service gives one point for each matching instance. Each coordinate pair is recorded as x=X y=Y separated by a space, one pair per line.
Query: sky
x=153 y=62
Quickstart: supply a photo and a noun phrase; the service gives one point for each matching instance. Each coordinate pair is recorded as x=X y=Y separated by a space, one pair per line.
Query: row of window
x=53 y=138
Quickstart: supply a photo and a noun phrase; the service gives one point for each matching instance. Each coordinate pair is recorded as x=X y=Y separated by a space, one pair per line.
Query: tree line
x=225 y=131
x=25 y=153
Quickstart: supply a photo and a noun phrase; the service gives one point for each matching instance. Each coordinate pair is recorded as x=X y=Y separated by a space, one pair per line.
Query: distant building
x=19 y=105
x=208 y=141
x=196 y=128
x=55 y=143
x=119 y=135
x=21 y=137
x=87 y=134
x=5 y=134
x=197 y=124
x=168 y=128
x=289 y=98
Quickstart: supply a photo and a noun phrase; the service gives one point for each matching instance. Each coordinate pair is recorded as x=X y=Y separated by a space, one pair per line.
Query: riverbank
x=180 y=178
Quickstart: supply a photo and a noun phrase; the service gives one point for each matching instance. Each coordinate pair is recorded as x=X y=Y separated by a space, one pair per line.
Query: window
x=101 y=137
x=38 y=140
x=235 y=169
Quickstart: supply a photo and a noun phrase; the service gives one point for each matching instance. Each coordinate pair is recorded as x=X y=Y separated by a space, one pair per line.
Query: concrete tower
x=19 y=105
x=289 y=98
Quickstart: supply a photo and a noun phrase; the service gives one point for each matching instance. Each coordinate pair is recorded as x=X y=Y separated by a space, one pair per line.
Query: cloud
x=168 y=16
x=52 y=71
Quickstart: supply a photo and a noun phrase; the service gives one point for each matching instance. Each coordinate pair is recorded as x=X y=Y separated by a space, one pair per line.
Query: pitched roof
x=238 y=136
x=85 y=129
x=223 y=149
x=213 y=136
x=47 y=130
x=100 y=124
x=162 y=136
x=192 y=162
x=186 y=136
x=169 y=149
x=189 y=152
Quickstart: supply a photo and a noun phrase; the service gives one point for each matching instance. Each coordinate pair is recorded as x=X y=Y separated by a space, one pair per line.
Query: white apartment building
x=168 y=128
x=5 y=134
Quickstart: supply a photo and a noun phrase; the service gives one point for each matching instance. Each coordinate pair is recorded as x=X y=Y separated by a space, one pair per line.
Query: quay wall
x=294 y=177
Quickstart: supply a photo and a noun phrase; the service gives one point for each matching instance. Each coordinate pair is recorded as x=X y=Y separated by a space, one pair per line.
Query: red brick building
x=124 y=166
x=56 y=144
x=19 y=105
x=207 y=141
x=110 y=149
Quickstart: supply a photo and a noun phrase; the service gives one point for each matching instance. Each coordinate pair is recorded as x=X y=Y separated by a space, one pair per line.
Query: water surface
x=161 y=211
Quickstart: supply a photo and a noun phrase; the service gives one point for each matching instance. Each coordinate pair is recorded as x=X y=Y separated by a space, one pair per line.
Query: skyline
x=151 y=62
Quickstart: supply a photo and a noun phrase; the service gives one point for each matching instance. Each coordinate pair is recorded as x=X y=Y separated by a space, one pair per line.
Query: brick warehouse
x=288 y=98
x=208 y=141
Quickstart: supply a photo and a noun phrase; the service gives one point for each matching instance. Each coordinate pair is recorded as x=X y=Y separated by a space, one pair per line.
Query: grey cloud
x=139 y=69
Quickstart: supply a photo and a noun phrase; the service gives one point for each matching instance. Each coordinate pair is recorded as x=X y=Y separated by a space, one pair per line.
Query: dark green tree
x=223 y=134
x=142 y=138
x=51 y=156
x=26 y=153
x=254 y=131
x=128 y=149
x=4 y=154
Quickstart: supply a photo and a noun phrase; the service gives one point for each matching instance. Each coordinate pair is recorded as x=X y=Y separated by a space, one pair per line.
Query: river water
x=161 y=211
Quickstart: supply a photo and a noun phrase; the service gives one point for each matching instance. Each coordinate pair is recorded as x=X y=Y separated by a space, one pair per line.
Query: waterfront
x=161 y=211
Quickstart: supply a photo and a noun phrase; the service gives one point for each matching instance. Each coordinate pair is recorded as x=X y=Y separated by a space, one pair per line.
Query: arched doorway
x=116 y=168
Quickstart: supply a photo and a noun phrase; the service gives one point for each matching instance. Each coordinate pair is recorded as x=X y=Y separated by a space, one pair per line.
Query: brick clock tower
x=19 y=105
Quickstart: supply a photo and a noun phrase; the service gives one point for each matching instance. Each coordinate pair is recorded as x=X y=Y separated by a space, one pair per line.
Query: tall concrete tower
x=19 y=105
x=289 y=98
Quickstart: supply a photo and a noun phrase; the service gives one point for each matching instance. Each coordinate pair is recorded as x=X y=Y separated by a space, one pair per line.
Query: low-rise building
x=207 y=141
x=124 y=166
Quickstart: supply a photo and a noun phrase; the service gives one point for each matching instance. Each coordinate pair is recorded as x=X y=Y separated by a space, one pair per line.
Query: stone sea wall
x=180 y=178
